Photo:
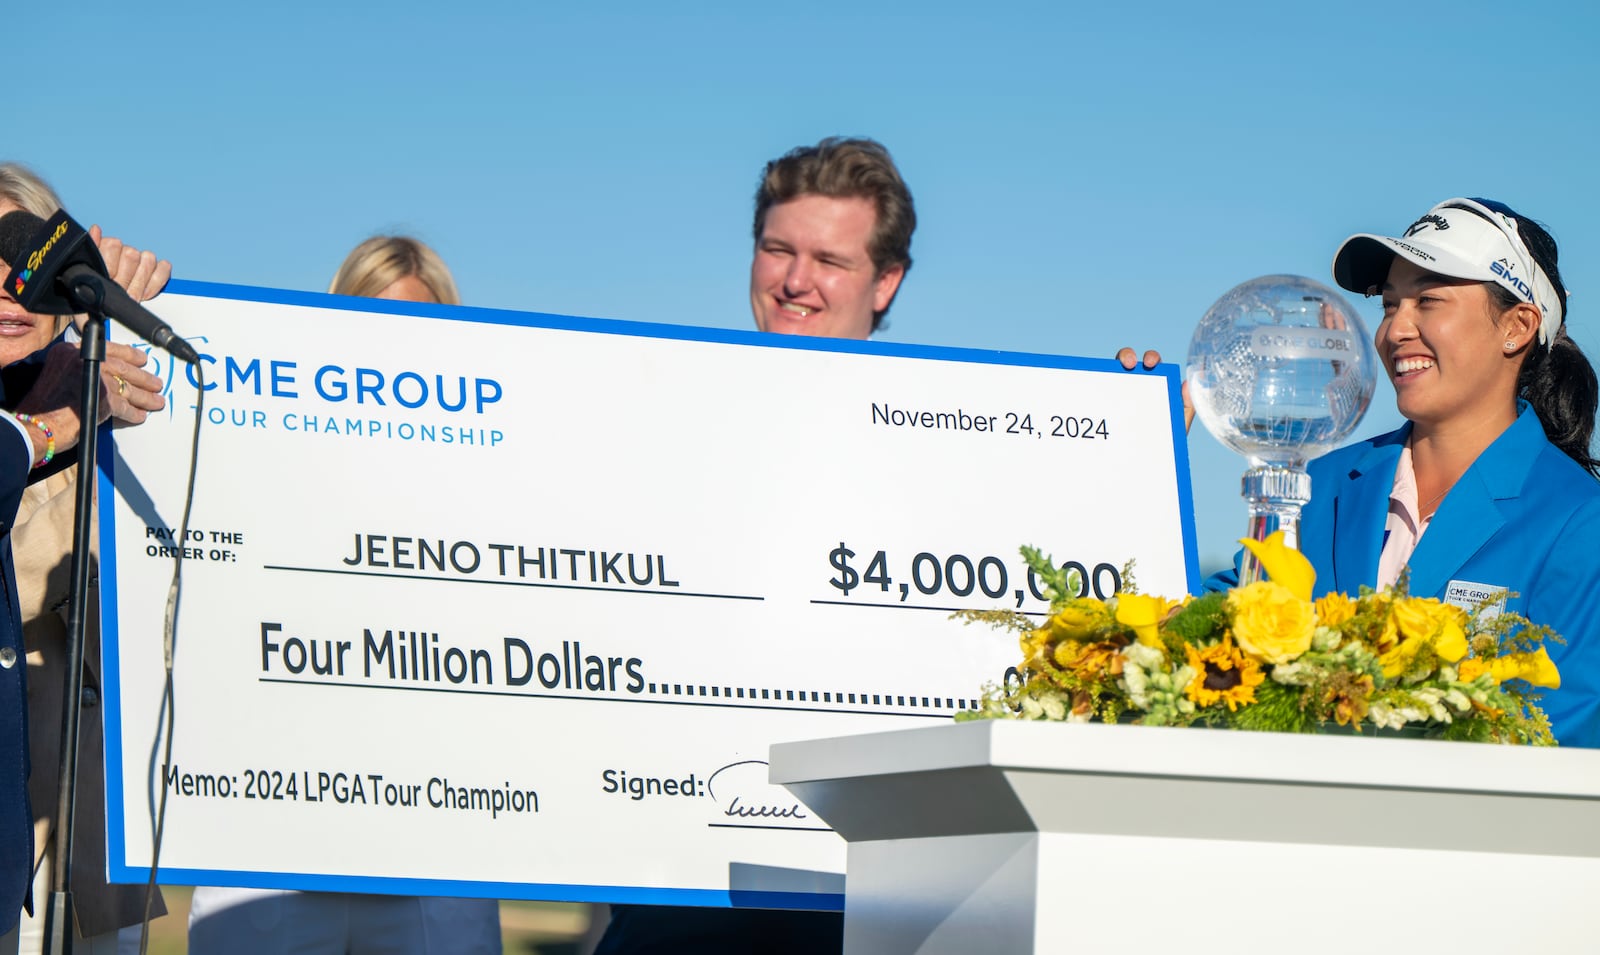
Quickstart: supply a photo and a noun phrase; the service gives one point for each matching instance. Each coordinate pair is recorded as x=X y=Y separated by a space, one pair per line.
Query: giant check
x=496 y=604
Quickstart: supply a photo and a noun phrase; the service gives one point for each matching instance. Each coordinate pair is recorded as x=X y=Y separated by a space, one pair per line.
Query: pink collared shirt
x=1404 y=528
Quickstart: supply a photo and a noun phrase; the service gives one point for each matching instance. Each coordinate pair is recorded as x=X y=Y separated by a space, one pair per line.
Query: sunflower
x=1222 y=672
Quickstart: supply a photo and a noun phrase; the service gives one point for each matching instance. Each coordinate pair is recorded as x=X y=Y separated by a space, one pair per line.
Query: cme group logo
x=329 y=399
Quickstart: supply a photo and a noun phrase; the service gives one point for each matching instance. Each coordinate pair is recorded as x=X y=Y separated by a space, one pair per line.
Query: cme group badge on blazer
x=1466 y=595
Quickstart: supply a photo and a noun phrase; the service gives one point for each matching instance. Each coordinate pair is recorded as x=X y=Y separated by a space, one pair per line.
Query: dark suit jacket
x=16 y=820
x=16 y=816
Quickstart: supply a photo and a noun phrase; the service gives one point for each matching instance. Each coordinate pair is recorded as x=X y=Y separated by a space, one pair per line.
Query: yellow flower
x=1377 y=606
x=1425 y=617
x=1035 y=646
x=1080 y=619
x=1270 y=623
x=1143 y=614
x=1334 y=609
x=1222 y=673
x=1536 y=668
x=1423 y=622
x=1284 y=565
x=1092 y=661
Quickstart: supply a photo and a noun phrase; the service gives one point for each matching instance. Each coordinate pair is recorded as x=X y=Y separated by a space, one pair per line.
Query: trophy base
x=1275 y=495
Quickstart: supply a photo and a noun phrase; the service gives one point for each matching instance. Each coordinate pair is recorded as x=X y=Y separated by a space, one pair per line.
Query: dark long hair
x=1556 y=377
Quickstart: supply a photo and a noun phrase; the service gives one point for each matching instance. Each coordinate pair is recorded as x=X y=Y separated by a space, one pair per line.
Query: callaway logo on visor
x=1438 y=222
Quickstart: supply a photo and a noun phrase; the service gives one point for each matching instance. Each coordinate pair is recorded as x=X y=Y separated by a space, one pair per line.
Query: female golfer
x=1490 y=485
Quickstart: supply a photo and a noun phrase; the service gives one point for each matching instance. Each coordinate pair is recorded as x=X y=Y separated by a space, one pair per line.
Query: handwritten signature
x=752 y=775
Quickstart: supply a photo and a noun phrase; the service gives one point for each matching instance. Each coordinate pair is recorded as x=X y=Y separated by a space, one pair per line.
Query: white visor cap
x=1461 y=239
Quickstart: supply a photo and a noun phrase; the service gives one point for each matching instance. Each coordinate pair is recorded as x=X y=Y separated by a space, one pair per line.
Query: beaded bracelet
x=49 y=437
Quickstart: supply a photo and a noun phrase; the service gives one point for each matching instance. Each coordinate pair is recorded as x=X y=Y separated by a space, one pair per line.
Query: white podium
x=998 y=837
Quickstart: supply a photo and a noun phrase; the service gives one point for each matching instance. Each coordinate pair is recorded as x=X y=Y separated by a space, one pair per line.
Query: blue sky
x=1084 y=177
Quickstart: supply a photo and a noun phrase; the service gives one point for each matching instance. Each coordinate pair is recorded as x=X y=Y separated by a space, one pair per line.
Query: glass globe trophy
x=1281 y=369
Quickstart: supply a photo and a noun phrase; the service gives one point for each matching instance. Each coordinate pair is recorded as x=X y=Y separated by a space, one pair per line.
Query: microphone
x=56 y=270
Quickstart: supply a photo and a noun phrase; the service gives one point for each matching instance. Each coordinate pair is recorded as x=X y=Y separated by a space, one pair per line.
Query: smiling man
x=833 y=231
x=833 y=242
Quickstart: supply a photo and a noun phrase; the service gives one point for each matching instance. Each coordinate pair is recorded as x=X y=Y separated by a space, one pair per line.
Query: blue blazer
x=1524 y=517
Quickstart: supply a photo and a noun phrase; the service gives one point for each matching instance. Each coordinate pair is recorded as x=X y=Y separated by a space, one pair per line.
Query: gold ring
x=122 y=386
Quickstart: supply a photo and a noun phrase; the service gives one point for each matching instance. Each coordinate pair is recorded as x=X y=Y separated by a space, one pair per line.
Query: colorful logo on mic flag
x=22 y=281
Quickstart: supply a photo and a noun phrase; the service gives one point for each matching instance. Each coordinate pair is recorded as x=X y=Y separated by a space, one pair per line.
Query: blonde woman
x=395 y=267
x=230 y=921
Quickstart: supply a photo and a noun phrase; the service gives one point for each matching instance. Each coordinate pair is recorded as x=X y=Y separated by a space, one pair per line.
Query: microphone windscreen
x=17 y=230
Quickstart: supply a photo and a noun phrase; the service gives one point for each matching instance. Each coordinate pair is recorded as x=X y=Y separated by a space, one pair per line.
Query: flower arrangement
x=1265 y=656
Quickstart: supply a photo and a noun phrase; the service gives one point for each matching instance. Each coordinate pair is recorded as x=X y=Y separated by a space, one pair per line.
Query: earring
x=1510 y=345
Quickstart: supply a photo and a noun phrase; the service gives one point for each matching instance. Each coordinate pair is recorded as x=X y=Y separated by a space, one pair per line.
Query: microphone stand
x=58 y=920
